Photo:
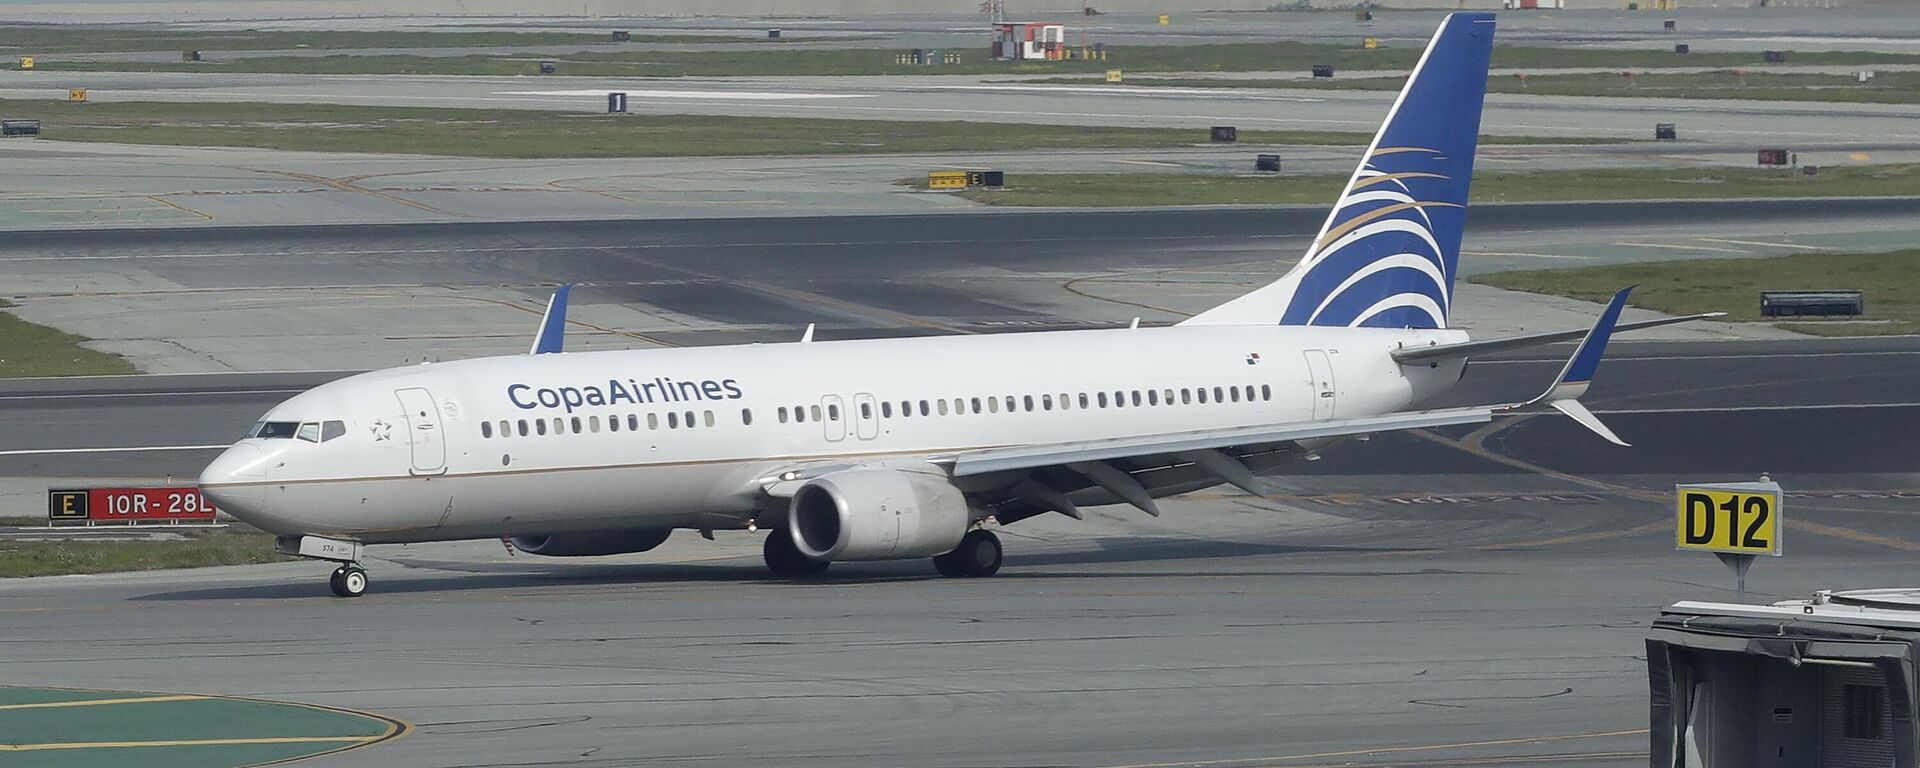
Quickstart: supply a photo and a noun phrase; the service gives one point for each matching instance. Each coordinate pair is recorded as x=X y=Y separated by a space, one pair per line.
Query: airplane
x=904 y=448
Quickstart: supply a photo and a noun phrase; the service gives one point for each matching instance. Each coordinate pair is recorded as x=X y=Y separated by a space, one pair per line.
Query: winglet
x=553 y=325
x=1578 y=373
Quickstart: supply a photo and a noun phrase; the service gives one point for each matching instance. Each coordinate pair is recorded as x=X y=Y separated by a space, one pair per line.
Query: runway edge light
x=1737 y=522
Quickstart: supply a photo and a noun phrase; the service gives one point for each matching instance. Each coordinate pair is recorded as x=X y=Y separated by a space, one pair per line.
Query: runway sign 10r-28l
x=1737 y=518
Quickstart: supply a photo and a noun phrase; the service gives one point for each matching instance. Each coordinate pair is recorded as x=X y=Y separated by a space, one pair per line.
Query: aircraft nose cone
x=235 y=482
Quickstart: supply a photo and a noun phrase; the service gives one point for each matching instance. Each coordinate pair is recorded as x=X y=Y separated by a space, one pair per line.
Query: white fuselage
x=436 y=451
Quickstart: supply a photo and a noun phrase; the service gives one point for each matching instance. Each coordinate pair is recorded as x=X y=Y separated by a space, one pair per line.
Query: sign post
x=1737 y=522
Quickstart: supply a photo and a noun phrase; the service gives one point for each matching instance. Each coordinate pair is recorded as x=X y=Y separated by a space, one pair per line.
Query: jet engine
x=591 y=544
x=877 y=514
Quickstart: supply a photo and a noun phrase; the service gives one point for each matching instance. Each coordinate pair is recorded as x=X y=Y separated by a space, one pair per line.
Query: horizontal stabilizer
x=1412 y=355
x=1577 y=374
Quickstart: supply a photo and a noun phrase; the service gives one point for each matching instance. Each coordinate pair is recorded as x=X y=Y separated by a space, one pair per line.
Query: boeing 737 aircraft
x=915 y=447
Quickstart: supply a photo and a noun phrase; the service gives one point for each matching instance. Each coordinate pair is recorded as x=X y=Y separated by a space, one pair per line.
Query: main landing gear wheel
x=784 y=559
x=348 y=581
x=979 y=554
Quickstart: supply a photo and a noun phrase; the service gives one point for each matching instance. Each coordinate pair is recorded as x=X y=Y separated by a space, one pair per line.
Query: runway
x=1421 y=599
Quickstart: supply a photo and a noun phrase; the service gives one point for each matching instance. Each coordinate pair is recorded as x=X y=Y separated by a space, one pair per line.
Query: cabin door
x=423 y=431
x=1320 y=372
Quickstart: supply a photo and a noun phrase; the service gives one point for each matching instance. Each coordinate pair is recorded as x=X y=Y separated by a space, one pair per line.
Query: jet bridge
x=1826 y=682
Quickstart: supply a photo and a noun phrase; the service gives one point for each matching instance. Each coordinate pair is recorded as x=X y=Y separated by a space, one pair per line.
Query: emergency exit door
x=1320 y=374
x=423 y=431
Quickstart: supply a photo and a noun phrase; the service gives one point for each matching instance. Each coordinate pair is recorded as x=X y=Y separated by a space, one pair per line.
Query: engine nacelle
x=591 y=544
x=877 y=514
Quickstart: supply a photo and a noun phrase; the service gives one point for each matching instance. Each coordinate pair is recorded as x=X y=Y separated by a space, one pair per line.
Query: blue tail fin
x=1386 y=257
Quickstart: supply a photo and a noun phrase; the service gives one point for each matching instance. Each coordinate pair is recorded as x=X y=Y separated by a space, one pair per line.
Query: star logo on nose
x=382 y=431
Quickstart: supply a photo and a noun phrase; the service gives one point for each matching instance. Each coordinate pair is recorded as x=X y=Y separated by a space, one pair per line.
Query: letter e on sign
x=1740 y=518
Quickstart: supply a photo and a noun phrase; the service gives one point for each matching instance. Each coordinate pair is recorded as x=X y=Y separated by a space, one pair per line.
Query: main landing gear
x=978 y=555
x=349 y=580
x=784 y=559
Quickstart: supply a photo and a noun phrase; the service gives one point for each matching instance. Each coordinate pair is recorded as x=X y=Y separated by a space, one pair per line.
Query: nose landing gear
x=348 y=580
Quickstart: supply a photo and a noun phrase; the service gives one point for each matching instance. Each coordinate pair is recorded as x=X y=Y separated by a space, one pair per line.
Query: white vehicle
x=912 y=448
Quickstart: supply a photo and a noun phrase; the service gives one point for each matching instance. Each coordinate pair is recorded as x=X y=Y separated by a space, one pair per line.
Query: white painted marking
x=1763 y=245
x=1681 y=247
x=1528 y=255
x=1745 y=408
x=146 y=448
x=727 y=95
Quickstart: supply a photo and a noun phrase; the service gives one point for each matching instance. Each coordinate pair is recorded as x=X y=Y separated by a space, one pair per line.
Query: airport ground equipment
x=19 y=128
x=1665 y=132
x=1774 y=157
x=1682 y=48
x=1322 y=70
x=1811 y=303
x=1827 y=681
x=1029 y=41
x=1266 y=163
x=1224 y=134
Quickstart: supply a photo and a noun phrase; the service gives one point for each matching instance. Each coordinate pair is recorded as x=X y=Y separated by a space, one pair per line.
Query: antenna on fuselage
x=807 y=337
x=1135 y=325
x=553 y=325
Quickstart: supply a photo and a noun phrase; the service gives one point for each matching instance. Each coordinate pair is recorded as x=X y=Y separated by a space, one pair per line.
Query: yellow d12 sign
x=1741 y=518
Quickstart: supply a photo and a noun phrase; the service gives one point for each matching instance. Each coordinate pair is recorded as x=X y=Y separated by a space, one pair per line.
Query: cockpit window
x=311 y=431
x=275 y=429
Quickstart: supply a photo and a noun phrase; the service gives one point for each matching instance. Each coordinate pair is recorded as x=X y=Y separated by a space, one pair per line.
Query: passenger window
x=1218 y=396
x=1046 y=402
x=1119 y=399
x=575 y=423
x=1249 y=389
x=866 y=410
x=1027 y=400
x=993 y=405
x=540 y=426
x=833 y=412
x=886 y=409
x=523 y=427
x=1167 y=397
x=1186 y=396
x=1153 y=397
x=943 y=407
x=673 y=420
x=813 y=412
x=1136 y=398
x=633 y=423
x=688 y=420
x=653 y=421
x=506 y=428
x=781 y=414
x=1101 y=397
x=593 y=424
x=559 y=426
x=707 y=417
x=746 y=416
x=925 y=408
x=336 y=428
x=1010 y=404
x=799 y=414
x=1266 y=392
x=1202 y=393
x=1083 y=401
x=976 y=405
x=1234 y=393
x=486 y=429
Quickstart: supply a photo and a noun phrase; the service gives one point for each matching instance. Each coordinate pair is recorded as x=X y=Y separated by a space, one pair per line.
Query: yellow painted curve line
x=189 y=743
x=100 y=702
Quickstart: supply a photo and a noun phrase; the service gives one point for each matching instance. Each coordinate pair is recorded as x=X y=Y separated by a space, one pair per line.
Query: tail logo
x=1378 y=263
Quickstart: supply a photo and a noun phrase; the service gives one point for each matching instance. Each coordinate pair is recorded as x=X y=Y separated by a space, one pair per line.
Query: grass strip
x=1889 y=282
x=36 y=350
x=543 y=134
x=1220 y=57
x=1884 y=88
x=38 y=40
x=1162 y=189
x=199 y=550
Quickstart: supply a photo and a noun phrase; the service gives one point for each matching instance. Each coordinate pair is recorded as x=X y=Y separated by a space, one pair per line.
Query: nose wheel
x=979 y=554
x=349 y=580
